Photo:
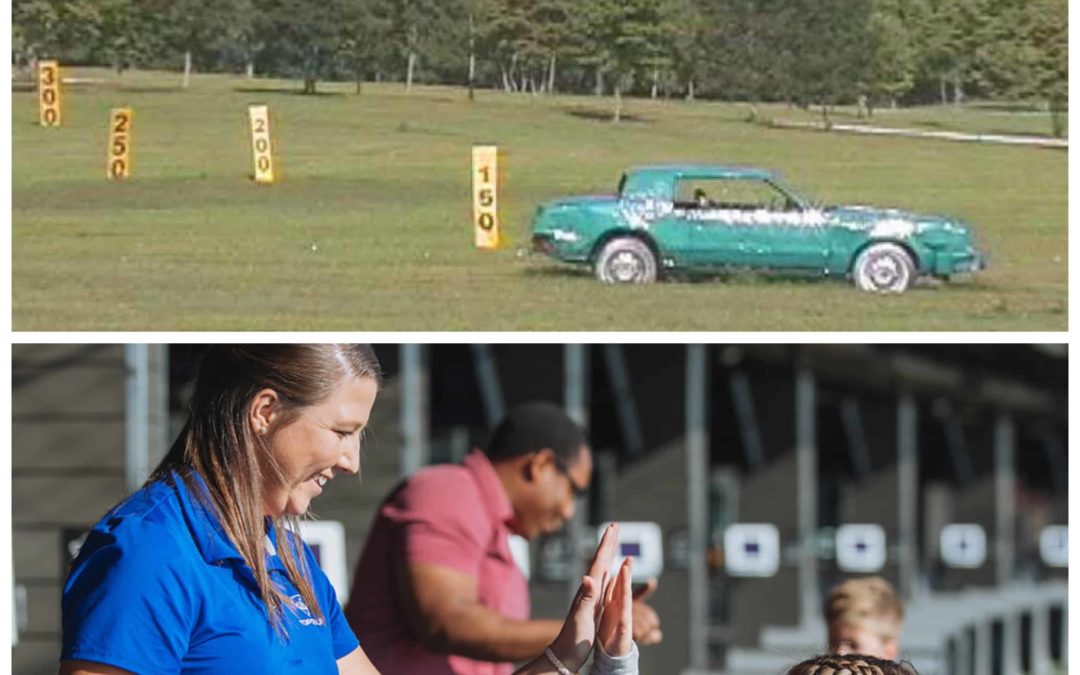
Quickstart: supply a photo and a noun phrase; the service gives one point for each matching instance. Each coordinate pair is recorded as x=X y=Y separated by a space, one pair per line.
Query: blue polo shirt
x=159 y=588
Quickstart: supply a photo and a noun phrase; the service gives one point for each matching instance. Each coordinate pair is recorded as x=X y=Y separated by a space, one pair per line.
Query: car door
x=717 y=237
x=779 y=231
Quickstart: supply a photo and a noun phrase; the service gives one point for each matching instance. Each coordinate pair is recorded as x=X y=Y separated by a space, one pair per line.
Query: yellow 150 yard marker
x=49 y=93
x=119 y=155
x=260 y=143
x=486 y=196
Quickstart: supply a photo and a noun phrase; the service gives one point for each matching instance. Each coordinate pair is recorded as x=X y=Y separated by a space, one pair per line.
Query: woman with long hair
x=199 y=571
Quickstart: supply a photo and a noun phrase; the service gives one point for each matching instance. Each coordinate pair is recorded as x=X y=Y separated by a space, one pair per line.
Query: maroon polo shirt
x=449 y=515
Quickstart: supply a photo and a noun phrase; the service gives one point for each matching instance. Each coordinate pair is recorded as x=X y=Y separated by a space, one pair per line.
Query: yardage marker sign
x=49 y=93
x=486 y=196
x=260 y=143
x=119 y=155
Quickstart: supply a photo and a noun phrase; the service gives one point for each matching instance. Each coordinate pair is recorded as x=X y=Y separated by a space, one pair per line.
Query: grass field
x=369 y=228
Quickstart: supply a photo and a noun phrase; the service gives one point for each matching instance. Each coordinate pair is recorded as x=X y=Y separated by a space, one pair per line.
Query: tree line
x=805 y=52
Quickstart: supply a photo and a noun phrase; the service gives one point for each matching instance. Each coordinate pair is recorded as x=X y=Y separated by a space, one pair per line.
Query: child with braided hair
x=851 y=664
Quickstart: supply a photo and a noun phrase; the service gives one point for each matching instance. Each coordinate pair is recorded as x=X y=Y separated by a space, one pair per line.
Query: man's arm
x=445 y=615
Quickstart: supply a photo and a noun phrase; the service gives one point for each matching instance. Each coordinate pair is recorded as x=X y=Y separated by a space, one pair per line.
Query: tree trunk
x=187 y=68
x=690 y=91
x=655 y=82
x=359 y=84
x=551 y=75
x=472 y=58
x=249 y=69
x=944 y=92
x=472 y=76
x=505 y=79
x=618 y=102
x=409 y=71
x=958 y=89
x=599 y=81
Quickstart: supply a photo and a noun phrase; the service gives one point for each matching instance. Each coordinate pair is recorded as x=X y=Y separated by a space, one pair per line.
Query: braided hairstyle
x=850 y=664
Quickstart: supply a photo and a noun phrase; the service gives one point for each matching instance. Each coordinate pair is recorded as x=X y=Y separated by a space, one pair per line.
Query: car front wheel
x=884 y=268
x=626 y=260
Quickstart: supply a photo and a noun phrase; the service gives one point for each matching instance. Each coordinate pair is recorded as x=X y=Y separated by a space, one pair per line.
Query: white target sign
x=1054 y=545
x=860 y=547
x=752 y=550
x=963 y=545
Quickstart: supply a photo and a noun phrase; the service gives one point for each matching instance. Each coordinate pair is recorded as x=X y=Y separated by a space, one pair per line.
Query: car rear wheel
x=884 y=268
x=626 y=260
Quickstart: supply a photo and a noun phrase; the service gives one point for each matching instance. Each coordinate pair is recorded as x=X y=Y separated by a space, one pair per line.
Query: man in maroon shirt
x=437 y=591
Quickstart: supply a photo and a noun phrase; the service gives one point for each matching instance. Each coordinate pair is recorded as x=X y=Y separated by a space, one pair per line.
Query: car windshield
x=802 y=200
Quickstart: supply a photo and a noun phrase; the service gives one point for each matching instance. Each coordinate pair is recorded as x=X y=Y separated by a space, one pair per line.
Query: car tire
x=884 y=268
x=626 y=260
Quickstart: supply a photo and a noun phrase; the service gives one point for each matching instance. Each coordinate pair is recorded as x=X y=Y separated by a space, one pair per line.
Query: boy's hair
x=863 y=600
x=852 y=664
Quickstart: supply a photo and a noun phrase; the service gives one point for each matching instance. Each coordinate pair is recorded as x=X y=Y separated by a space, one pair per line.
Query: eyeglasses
x=578 y=490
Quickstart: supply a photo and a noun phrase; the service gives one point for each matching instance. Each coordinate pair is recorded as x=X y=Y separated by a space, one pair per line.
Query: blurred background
x=853 y=459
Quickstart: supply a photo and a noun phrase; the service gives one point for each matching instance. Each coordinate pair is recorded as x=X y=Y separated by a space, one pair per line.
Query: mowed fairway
x=370 y=227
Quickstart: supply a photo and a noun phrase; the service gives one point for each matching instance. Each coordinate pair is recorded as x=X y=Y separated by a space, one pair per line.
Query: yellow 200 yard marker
x=260 y=143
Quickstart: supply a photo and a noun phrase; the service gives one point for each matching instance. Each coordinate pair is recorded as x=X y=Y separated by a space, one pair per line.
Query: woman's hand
x=575 y=641
x=616 y=630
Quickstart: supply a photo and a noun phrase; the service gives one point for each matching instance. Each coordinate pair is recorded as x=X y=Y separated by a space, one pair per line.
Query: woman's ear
x=261 y=412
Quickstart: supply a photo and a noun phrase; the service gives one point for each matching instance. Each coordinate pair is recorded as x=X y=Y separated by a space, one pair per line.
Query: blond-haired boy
x=864 y=616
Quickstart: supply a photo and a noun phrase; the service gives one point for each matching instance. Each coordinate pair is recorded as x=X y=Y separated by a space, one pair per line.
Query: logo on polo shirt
x=303 y=611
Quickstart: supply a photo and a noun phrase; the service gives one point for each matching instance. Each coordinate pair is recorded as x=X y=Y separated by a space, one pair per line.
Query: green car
x=702 y=218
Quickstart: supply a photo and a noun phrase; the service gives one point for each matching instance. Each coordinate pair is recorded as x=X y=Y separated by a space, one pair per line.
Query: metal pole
x=983 y=646
x=159 y=445
x=697 y=477
x=136 y=416
x=576 y=383
x=414 y=412
x=624 y=398
x=806 y=460
x=1005 y=533
x=908 y=500
x=575 y=378
x=487 y=375
x=1005 y=499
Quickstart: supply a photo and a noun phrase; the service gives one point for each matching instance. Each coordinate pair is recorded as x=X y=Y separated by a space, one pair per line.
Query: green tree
x=624 y=36
x=64 y=29
x=300 y=36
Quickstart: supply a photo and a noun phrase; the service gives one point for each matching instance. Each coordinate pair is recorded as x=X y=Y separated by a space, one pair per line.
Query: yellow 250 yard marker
x=119 y=155
x=49 y=93
x=260 y=143
x=486 y=196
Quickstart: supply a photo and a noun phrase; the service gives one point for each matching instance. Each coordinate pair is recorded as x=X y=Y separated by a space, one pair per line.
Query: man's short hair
x=864 y=600
x=531 y=427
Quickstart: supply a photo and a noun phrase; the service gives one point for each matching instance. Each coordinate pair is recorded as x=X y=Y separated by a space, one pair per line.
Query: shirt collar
x=214 y=545
x=491 y=488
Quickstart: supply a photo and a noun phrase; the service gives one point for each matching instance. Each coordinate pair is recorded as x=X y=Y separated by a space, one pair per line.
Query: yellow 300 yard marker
x=119 y=155
x=49 y=93
x=486 y=196
x=260 y=143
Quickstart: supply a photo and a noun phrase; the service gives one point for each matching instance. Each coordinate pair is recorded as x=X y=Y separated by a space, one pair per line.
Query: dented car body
x=708 y=218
